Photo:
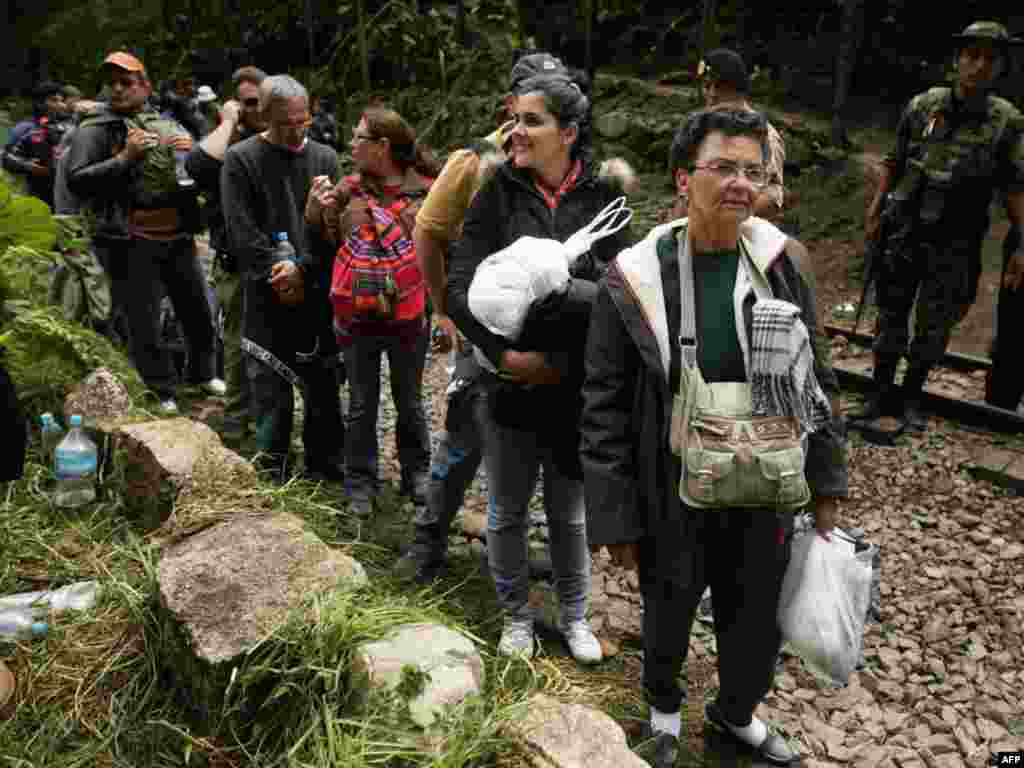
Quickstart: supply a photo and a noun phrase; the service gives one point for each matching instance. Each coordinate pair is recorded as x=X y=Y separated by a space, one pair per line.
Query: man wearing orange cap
x=122 y=165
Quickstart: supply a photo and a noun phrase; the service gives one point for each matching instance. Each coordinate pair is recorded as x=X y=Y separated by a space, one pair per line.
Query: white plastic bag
x=529 y=270
x=824 y=603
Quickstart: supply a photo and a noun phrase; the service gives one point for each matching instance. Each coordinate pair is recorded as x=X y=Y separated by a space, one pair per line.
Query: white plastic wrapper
x=824 y=603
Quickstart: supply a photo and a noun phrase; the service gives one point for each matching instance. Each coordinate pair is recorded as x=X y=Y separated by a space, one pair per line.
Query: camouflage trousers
x=941 y=273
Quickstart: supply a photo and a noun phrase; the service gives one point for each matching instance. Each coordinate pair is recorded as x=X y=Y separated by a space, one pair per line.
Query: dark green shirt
x=718 y=350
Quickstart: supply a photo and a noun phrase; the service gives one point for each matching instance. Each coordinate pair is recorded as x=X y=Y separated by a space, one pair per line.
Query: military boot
x=914 y=417
x=879 y=401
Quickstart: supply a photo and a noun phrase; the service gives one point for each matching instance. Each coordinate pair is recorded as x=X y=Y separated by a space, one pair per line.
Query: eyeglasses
x=727 y=170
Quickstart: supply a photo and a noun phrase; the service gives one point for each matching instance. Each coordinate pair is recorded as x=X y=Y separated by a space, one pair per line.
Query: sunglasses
x=253 y=102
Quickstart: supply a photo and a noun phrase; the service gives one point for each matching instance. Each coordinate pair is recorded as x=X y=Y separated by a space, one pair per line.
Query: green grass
x=113 y=686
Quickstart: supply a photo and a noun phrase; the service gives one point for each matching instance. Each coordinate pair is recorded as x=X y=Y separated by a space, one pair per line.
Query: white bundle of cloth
x=507 y=283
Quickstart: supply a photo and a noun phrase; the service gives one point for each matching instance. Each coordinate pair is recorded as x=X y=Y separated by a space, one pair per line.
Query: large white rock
x=561 y=735
x=447 y=662
x=232 y=584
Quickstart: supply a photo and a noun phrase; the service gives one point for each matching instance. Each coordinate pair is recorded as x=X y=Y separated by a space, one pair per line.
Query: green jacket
x=950 y=157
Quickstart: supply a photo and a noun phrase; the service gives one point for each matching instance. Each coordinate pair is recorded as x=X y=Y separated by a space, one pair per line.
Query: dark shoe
x=360 y=504
x=773 y=749
x=659 y=748
x=913 y=417
x=874 y=409
x=324 y=473
x=416 y=488
x=419 y=568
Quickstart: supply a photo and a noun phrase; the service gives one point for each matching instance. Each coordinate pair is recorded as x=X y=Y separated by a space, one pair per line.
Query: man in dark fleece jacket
x=287 y=334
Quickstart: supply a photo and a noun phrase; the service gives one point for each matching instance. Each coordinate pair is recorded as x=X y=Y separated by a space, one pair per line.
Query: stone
x=232 y=584
x=100 y=399
x=442 y=666
x=164 y=458
x=559 y=735
x=940 y=744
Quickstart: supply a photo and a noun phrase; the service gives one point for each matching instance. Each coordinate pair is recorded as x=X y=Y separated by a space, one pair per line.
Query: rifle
x=874 y=259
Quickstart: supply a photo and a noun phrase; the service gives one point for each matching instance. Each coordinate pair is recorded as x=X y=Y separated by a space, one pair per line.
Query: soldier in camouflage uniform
x=954 y=148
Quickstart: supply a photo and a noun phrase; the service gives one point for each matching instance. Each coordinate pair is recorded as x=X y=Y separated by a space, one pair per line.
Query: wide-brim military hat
x=988 y=32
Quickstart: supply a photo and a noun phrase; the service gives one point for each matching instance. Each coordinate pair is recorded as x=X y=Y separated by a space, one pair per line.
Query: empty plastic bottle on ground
x=75 y=467
x=20 y=624
x=51 y=435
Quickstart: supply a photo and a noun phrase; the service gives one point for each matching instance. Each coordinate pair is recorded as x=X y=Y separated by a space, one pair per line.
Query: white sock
x=671 y=722
x=754 y=734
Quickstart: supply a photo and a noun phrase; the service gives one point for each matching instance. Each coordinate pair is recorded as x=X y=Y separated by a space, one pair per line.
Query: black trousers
x=1005 y=385
x=13 y=429
x=742 y=555
x=272 y=408
x=140 y=270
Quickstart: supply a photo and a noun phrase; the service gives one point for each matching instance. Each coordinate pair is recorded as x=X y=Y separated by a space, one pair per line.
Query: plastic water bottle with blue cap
x=75 y=466
x=51 y=435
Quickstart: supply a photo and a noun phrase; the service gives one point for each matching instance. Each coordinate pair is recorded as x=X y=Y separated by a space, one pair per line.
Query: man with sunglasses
x=632 y=471
x=240 y=119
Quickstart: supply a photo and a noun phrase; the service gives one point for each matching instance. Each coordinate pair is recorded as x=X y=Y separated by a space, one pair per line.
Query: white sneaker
x=168 y=406
x=215 y=387
x=583 y=644
x=516 y=636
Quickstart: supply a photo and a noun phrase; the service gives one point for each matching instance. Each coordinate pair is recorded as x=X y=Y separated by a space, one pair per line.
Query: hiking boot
x=517 y=636
x=879 y=402
x=913 y=417
x=659 y=748
x=583 y=645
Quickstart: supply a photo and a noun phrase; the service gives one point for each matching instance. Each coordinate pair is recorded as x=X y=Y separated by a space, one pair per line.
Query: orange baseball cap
x=125 y=61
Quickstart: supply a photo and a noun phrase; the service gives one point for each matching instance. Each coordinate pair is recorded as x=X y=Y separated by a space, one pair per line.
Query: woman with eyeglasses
x=550 y=188
x=737 y=268
x=376 y=208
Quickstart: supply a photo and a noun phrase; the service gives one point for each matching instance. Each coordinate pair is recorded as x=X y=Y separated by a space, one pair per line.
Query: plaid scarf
x=782 y=380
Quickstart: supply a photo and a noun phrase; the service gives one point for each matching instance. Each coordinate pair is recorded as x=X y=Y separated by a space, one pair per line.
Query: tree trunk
x=364 y=53
x=709 y=30
x=590 y=8
x=460 y=23
x=851 y=35
x=308 y=17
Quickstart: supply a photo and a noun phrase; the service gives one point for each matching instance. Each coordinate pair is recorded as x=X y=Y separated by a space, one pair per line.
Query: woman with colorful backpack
x=379 y=295
x=550 y=189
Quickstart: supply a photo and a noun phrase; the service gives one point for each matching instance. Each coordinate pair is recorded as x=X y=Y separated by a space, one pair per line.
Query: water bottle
x=51 y=435
x=21 y=625
x=75 y=463
x=180 y=174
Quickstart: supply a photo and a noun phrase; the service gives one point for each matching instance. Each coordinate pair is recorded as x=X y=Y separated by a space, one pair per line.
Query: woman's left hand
x=529 y=368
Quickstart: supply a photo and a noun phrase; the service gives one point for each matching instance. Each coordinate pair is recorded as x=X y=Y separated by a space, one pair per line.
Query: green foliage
x=24 y=276
x=47 y=356
x=25 y=221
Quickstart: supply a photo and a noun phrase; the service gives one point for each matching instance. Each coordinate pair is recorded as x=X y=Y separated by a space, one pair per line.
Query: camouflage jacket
x=950 y=158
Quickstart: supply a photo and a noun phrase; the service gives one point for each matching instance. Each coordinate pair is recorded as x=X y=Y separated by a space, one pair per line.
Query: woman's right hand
x=529 y=368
